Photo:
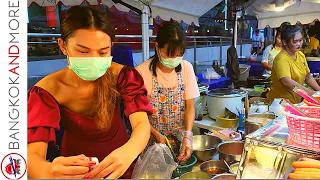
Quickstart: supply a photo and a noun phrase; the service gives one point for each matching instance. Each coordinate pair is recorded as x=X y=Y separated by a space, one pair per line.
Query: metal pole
x=220 y=51
x=235 y=32
x=195 y=55
x=145 y=32
x=241 y=43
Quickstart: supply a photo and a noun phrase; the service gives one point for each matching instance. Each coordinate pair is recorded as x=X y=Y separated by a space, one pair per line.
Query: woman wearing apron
x=172 y=87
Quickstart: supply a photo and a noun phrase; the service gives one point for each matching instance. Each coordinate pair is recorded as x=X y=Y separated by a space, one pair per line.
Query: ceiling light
x=279 y=5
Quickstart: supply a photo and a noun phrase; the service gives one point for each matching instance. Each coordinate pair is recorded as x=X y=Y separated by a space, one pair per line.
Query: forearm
x=189 y=116
x=38 y=167
x=140 y=133
x=290 y=84
x=266 y=66
x=312 y=83
x=154 y=132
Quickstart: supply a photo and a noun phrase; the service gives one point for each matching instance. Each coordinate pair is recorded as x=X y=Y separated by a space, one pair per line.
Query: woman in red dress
x=85 y=99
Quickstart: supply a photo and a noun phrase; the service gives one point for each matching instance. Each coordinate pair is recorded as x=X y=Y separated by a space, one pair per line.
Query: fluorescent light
x=279 y=5
x=279 y=9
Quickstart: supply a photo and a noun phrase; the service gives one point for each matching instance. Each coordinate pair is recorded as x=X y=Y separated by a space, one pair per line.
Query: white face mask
x=170 y=62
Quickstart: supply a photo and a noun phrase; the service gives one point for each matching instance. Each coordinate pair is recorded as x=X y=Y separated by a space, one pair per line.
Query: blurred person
x=258 y=42
x=270 y=53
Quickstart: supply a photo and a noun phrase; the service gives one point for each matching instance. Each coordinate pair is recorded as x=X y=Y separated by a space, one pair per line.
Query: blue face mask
x=170 y=62
x=90 y=68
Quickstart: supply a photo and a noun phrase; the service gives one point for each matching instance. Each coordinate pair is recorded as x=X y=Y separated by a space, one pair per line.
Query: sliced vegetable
x=306 y=164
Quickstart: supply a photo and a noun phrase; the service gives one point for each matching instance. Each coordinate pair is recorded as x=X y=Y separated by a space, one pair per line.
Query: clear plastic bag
x=211 y=74
x=156 y=163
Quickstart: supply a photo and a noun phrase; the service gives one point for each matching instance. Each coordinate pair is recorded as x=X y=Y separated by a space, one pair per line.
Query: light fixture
x=279 y=5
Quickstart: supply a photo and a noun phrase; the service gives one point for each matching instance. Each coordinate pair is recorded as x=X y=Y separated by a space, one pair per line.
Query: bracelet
x=188 y=138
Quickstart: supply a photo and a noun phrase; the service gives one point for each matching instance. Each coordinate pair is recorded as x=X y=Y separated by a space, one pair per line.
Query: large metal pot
x=255 y=121
x=205 y=146
x=231 y=151
x=195 y=175
x=219 y=99
x=227 y=176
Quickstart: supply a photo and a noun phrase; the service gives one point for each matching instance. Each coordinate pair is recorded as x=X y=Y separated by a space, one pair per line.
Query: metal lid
x=225 y=92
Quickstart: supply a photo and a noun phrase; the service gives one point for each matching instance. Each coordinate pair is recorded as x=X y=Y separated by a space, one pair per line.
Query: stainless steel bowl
x=205 y=146
x=231 y=151
x=195 y=175
x=214 y=167
x=228 y=176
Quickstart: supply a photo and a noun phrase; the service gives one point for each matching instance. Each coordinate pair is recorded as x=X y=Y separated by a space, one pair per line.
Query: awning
x=304 y=11
x=187 y=11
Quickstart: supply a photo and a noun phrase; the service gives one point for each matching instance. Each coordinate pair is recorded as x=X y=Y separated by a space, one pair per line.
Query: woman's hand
x=114 y=165
x=186 y=146
x=75 y=167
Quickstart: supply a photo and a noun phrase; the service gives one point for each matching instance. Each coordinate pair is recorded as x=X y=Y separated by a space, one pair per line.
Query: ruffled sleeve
x=43 y=116
x=133 y=92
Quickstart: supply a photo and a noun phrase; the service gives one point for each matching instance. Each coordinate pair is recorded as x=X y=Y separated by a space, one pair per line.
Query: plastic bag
x=156 y=163
x=211 y=74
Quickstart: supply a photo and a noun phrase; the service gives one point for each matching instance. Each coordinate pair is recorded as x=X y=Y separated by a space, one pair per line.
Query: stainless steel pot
x=195 y=175
x=231 y=151
x=256 y=121
x=205 y=146
x=228 y=176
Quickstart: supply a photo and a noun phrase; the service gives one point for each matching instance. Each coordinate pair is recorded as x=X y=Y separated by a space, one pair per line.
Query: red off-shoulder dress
x=81 y=135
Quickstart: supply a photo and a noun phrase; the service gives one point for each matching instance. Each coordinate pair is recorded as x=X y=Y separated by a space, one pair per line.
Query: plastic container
x=184 y=169
x=226 y=122
x=304 y=131
x=244 y=72
x=259 y=88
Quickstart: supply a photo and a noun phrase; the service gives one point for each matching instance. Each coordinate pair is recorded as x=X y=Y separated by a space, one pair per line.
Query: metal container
x=219 y=99
x=255 y=121
x=231 y=151
x=269 y=153
x=196 y=175
x=205 y=146
x=214 y=167
x=228 y=176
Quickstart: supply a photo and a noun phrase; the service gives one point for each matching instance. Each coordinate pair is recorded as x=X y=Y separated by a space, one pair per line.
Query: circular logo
x=13 y=166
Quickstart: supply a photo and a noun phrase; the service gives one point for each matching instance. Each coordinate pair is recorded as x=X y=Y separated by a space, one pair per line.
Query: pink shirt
x=170 y=80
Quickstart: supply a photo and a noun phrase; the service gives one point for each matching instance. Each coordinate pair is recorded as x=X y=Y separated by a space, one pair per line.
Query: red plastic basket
x=302 y=130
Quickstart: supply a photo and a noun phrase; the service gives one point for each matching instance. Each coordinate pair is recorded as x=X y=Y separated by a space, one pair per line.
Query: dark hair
x=312 y=31
x=288 y=32
x=256 y=31
x=172 y=34
x=84 y=17
x=278 y=32
x=283 y=24
x=106 y=95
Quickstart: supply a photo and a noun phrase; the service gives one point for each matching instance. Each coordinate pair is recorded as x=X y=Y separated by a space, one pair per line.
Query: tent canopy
x=187 y=11
x=304 y=11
